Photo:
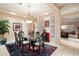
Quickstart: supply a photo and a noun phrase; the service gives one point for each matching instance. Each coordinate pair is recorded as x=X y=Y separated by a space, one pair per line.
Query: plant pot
x=3 y=41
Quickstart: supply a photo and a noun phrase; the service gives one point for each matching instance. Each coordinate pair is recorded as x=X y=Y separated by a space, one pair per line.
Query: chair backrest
x=41 y=42
x=45 y=37
x=21 y=38
x=20 y=35
x=16 y=37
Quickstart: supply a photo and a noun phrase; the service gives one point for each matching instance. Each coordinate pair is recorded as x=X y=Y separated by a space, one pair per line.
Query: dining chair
x=24 y=41
x=16 y=39
x=40 y=44
x=15 y=47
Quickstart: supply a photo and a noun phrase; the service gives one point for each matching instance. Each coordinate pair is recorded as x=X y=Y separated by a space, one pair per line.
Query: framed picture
x=46 y=23
x=17 y=26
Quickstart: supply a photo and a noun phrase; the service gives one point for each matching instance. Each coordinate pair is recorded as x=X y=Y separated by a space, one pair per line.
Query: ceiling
x=60 y=5
x=69 y=11
x=23 y=9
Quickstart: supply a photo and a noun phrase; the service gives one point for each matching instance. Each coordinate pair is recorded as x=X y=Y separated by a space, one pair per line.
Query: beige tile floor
x=3 y=51
x=65 y=50
x=60 y=51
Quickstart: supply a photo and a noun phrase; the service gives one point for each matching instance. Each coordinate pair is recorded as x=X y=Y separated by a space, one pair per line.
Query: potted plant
x=4 y=28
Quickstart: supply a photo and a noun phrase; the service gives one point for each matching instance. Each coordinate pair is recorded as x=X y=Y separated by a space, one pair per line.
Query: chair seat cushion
x=37 y=43
x=25 y=42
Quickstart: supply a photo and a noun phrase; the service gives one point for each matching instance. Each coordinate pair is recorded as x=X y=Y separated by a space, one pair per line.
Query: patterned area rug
x=15 y=51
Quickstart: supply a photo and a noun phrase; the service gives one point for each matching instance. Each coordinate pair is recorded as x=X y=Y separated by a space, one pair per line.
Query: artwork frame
x=46 y=23
x=17 y=26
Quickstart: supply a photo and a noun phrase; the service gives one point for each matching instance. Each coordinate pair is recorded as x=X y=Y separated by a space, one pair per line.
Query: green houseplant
x=4 y=28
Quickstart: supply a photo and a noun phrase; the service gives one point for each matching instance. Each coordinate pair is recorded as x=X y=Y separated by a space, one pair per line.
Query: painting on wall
x=17 y=26
x=46 y=23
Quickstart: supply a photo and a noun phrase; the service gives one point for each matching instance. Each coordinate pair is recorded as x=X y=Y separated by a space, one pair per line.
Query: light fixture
x=28 y=21
x=29 y=9
x=23 y=16
x=46 y=13
x=12 y=13
x=64 y=27
x=74 y=8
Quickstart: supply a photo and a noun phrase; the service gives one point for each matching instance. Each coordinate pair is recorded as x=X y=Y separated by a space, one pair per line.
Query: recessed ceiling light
x=74 y=8
x=28 y=21
x=24 y=16
x=46 y=13
x=12 y=13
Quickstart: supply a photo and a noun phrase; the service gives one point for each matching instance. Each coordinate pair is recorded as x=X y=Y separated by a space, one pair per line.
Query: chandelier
x=28 y=10
x=29 y=13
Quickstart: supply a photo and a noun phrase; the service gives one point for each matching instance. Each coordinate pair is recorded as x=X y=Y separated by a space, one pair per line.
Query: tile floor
x=64 y=50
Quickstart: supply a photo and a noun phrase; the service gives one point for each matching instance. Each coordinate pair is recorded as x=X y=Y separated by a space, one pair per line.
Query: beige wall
x=16 y=19
x=57 y=21
x=19 y=19
x=25 y=28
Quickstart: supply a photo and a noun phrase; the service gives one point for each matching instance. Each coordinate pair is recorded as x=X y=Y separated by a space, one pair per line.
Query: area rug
x=15 y=51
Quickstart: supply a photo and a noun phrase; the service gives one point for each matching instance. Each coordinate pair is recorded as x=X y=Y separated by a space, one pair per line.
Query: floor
x=64 y=50
x=60 y=51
